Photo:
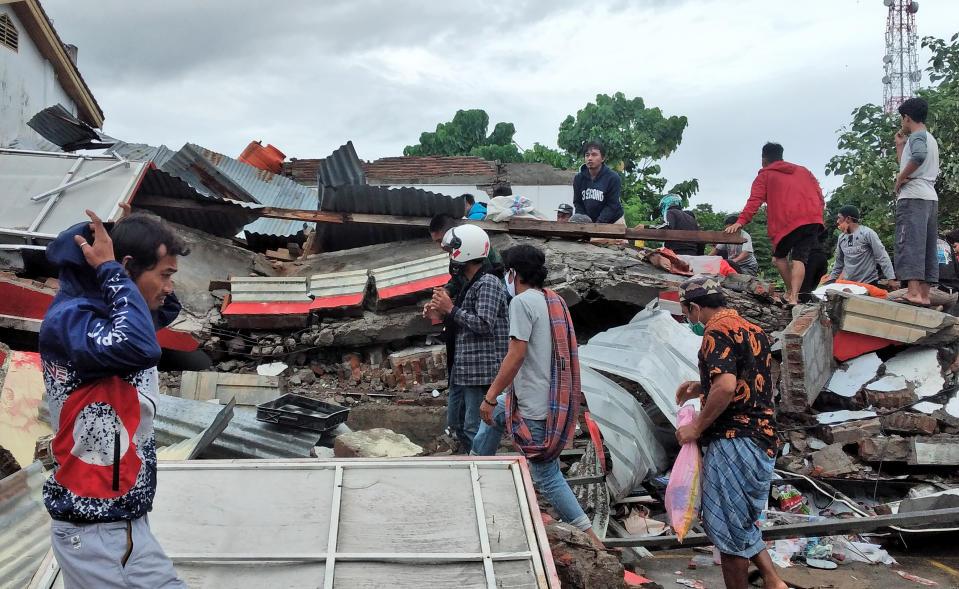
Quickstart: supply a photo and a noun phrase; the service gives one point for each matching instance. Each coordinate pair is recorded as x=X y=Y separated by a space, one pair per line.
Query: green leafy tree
x=867 y=154
x=541 y=154
x=635 y=138
x=466 y=135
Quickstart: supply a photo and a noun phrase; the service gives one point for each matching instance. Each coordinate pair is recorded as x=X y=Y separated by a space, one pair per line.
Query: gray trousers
x=111 y=555
x=915 y=254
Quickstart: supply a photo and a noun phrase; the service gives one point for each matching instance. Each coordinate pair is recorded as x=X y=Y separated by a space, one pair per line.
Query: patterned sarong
x=736 y=475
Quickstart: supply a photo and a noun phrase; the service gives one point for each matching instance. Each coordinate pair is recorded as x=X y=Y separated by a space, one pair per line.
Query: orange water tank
x=265 y=158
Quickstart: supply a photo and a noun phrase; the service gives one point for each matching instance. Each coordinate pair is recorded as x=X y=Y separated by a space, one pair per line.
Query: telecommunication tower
x=901 y=62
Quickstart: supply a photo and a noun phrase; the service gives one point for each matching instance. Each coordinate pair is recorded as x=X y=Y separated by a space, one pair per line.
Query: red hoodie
x=792 y=195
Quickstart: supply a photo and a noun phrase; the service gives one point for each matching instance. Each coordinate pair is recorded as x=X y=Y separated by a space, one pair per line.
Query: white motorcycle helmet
x=466 y=243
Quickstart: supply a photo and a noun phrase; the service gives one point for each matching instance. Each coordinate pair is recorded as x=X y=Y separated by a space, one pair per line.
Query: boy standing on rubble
x=478 y=322
x=540 y=377
x=736 y=428
x=99 y=350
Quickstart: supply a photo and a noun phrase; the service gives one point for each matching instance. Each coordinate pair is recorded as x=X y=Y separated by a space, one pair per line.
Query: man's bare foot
x=917 y=300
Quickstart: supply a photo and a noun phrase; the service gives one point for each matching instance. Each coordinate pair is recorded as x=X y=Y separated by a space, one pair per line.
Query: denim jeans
x=546 y=475
x=462 y=412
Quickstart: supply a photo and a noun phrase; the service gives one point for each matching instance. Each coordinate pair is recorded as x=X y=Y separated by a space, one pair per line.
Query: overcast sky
x=307 y=76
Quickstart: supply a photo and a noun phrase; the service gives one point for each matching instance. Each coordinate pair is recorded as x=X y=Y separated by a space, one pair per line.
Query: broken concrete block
x=374 y=443
x=850 y=433
x=884 y=448
x=807 y=360
x=885 y=319
x=912 y=423
x=852 y=375
x=833 y=461
x=888 y=400
x=920 y=368
x=940 y=450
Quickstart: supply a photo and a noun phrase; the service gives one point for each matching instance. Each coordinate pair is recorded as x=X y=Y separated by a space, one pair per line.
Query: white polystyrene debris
x=271 y=369
x=888 y=383
x=920 y=367
x=850 y=377
x=927 y=407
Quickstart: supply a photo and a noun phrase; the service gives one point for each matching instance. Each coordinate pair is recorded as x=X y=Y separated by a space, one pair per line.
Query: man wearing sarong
x=735 y=428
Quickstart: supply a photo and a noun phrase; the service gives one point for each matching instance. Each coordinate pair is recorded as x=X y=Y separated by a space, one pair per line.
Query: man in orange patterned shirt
x=735 y=427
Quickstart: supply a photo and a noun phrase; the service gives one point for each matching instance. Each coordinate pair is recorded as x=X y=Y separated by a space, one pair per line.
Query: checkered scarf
x=564 y=390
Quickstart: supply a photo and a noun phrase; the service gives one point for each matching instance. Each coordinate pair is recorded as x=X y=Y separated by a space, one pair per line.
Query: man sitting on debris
x=99 y=350
x=859 y=251
x=736 y=427
x=596 y=189
x=541 y=377
x=479 y=323
x=564 y=212
x=739 y=255
x=794 y=207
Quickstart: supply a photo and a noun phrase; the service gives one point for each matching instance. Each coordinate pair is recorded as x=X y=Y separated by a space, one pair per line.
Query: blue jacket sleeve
x=125 y=341
x=168 y=312
x=578 y=207
x=612 y=207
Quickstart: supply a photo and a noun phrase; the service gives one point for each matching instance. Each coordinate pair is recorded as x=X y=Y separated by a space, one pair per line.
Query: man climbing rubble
x=478 y=323
x=736 y=428
x=794 y=208
x=540 y=377
x=99 y=350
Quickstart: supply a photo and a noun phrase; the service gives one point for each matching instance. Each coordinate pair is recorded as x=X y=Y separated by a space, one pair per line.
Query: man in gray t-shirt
x=859 y=251
x=917 y=204
x=739 y=255
x=528 y=367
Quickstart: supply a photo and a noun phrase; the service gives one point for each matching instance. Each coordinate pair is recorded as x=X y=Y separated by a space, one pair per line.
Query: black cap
x=565 y=208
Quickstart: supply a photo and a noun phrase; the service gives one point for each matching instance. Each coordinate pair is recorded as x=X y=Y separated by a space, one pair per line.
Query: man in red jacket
x=794 y=209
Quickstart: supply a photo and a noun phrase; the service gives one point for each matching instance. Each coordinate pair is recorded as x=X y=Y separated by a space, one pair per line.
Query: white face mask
x=511 y=283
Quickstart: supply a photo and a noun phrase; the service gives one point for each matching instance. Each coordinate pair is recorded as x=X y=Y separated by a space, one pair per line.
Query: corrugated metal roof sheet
x=413 y=169
x=406 y=202
x=653 y=350
x=407 y=277
x=159 y=183
x=58 y=125
x=180 y=419
x=341 y=167
x=272 y=289
x=627 y=431
x=24 y=526
x=217 y=176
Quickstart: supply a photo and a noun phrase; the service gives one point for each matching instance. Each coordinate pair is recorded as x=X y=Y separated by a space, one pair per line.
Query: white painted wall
x=545 y=198
x=29 y=85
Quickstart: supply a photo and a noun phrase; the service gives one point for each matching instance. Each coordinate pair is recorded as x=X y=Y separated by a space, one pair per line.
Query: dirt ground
x=941 y=566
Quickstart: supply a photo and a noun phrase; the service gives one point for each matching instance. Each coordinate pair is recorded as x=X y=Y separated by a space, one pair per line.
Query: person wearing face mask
x=535 y=396
x=478 y=322
x=859 y=252
x=736 y=429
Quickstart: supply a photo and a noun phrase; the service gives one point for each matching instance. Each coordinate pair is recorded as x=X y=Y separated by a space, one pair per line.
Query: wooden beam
x=829 y=527
x=520 y=226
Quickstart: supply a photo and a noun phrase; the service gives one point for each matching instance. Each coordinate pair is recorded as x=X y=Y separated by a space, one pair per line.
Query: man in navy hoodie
x=596 y=188
x=99 y=350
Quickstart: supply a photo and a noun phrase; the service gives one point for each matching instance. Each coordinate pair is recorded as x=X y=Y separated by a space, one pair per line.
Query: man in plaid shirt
x=479 y=321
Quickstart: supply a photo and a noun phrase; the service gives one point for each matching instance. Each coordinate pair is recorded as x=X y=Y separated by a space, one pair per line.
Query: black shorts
x=799 y=243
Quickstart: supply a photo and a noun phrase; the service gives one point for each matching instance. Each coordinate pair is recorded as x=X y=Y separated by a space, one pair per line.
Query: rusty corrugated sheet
x=24 y=526
x=341 y=167
x=354 y=198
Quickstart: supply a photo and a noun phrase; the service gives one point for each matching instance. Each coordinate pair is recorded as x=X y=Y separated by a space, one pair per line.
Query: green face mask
x=698 y=328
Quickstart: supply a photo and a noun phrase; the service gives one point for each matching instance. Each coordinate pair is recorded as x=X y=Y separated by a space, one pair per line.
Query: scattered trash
x=271 y=369
x=435 y=393
x=695 y=584
x=640 y=524
x=920 y=580
x=790 y=499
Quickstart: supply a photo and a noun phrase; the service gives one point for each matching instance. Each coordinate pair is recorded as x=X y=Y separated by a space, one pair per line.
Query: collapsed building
x=311 y=294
